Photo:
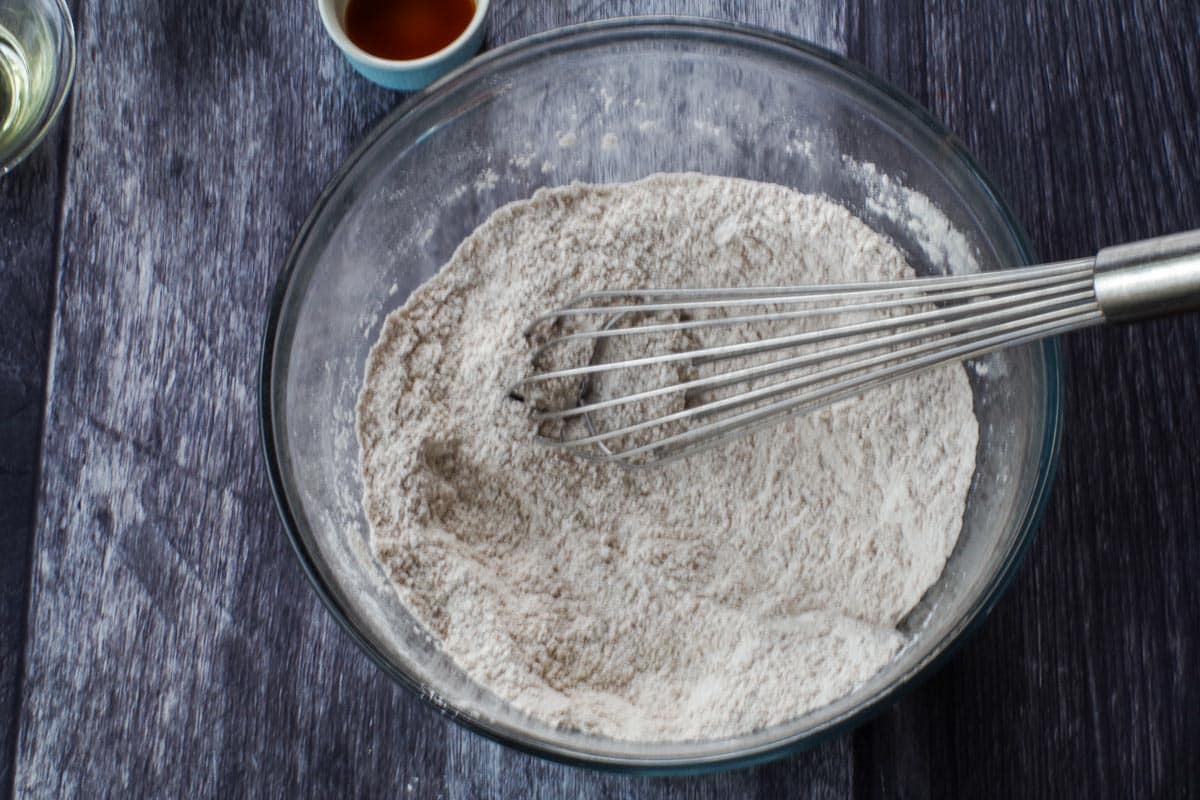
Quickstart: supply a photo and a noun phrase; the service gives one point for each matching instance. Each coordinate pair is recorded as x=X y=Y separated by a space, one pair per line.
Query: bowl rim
x=64 y=79
x=703 y=29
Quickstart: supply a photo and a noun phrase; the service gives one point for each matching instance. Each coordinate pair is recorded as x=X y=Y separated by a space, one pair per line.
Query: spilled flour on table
x=728 y=592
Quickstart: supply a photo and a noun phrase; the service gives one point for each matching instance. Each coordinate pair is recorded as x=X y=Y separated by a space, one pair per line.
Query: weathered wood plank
x=1086 y=114
x=29 y=201
x=175 y=649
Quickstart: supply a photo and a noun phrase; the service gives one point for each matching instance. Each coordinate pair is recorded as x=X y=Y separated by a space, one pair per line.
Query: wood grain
x=1082 y=682
x=29 y=202
x=173 y=647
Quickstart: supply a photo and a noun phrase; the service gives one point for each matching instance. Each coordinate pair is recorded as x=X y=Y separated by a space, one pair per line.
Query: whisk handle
x=1150 y=278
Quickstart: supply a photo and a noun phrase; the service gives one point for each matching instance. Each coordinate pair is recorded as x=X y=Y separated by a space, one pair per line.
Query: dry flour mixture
x=727 y=592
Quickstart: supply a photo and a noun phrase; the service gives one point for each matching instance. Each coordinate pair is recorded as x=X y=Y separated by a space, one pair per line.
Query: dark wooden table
x=157 y=637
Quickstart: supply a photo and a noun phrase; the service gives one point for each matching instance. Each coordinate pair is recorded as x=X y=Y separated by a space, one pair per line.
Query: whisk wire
x=877 y=331
x=1055 y=282
x=694 y=299
x=1003 y=317
x=919 y=357
x=699 y=352
x=1079 y=289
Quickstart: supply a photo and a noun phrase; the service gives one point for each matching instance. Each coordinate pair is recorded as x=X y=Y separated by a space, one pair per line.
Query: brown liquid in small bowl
x=402 y=30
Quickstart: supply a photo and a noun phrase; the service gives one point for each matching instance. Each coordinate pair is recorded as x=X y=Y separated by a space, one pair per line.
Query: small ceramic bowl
x=406 y=75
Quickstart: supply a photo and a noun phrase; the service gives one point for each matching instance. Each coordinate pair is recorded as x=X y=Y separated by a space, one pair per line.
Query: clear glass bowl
x=615 y=101
x=37 y=64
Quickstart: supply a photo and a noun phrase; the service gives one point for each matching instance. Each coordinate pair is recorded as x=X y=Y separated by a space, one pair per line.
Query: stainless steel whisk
x=853 y=337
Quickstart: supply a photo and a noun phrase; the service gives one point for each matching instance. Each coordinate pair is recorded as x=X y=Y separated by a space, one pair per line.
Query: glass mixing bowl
x=615 y=101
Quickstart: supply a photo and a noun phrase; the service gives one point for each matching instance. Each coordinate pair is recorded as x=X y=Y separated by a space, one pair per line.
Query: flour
x=947 y=248
x=728 y=592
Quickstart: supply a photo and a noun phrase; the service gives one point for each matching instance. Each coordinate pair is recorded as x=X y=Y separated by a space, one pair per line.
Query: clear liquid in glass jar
x=14 y=84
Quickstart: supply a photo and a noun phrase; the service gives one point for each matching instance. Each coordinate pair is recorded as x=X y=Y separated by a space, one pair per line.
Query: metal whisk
x=638 y=360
